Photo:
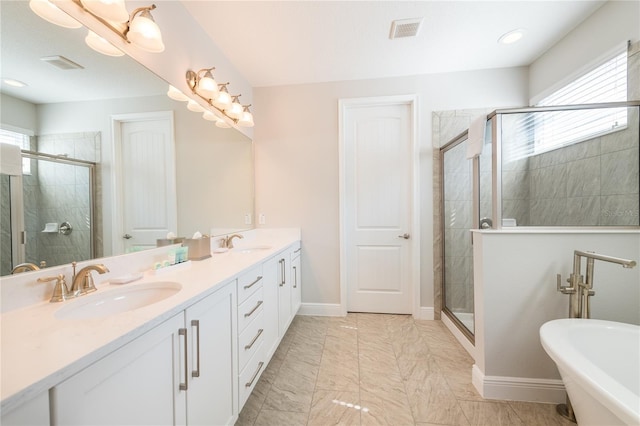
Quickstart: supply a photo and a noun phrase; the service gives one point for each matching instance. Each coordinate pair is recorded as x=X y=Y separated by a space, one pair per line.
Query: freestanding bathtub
x=599 y=362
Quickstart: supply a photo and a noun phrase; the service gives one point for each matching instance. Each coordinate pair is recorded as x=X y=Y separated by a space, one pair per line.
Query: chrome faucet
x=24 y=267
x=228 y=240
x=580 y=291
x=82 y=282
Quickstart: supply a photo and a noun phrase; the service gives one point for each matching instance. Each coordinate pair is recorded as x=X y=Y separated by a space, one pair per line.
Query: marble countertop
x=39 y=351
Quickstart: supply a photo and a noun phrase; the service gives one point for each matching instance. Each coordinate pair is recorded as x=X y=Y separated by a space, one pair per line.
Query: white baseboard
x=518 y=388
x=321 y=309
x=425 y=313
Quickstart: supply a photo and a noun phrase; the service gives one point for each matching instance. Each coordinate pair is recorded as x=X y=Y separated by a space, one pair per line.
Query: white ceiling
x=293 y=42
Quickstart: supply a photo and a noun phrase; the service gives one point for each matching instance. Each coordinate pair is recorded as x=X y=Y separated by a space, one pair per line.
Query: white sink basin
x=111 y=302
x=249 y=249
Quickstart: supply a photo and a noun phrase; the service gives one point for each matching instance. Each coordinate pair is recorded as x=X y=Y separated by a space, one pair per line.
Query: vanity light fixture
x=101 y=45
x=204 y=86
x=209 y=116
x=143 y=32
x=194 y=106
x=235 y=109
x=176 y=95
x=51 y=13
x=111 y=10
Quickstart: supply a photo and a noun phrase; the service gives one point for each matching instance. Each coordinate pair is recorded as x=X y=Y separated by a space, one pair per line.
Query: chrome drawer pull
x=248 y=314
x=249 y=384
x=196 y=324
x=247 y=347
x=252 y=284
x=295 y=277
x=184 y=386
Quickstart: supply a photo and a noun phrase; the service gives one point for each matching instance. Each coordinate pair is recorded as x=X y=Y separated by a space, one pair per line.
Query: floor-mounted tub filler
x=599 y=362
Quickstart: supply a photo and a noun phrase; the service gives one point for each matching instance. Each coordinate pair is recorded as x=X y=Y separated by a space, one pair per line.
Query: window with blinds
x=21 y=140
x=540 y=132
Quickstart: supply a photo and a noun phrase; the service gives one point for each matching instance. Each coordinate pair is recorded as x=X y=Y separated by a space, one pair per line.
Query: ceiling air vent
x=61 y=62
x=405 y=28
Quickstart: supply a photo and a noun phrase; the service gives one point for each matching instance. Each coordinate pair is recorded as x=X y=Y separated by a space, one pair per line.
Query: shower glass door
x=457 y=197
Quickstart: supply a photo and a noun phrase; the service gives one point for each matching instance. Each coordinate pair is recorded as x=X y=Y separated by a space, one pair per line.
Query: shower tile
x=549 y=182
x=548 y=212
x=457 y=214
x=518 y=210
x=457 y=242
x=619 y=210
x=515 y=185
x=623 y=139
x=620 y=172
x=458 y=269
x=583 y=211
x=583 y=177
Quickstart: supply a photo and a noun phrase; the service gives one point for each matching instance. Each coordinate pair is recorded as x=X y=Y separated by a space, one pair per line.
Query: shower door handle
x=405 y=236
x=127 y=236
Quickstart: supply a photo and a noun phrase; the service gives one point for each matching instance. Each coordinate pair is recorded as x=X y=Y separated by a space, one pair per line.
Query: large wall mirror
x=73 y=117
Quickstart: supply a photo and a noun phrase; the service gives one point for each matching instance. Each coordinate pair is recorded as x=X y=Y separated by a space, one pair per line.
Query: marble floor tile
x=484 y=413
x=370 y=369
x=335 y=408
x=281 y=418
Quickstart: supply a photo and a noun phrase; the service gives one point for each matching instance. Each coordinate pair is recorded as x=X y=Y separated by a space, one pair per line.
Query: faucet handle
x=564 y=289
x=60 y=291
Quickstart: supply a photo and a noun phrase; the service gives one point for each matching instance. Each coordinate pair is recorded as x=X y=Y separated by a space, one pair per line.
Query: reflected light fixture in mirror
x=111 y=10
x=101 y=45
x=176 y=95
x=51 y=13
x=203 y=85
x=194 y=106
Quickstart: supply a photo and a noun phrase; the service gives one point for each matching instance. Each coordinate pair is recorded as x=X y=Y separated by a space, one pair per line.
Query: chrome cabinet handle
x=255 y=308
x=295 y=277
x=247 y=347
x=250 y=383
x=184 y=386
x=127 y=236
x=405 y=236
x=252 y=284
x=298 y=251
x=196 y=324
x=282 y=281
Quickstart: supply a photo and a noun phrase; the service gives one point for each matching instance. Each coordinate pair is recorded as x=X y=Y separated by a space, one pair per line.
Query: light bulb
x=222 y=124
x=194 y=106
x=246 y=119
x=207 y=86
x=101 y=45
x=235 y=109
x=222 y=99
x=176 y=95
x=51 y=13
x=145 y=33
x=111 y=10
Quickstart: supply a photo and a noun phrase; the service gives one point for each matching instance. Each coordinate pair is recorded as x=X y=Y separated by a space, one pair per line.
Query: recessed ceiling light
x=14 y=83
x=511 y=36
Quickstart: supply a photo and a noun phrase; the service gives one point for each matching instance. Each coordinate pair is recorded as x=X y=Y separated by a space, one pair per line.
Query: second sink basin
x=111 y=302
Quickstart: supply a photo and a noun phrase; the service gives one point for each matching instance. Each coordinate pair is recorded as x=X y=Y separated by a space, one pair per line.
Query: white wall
x=296 y=149
x=607 y=29
x=214 y=172
x=515 y=293
x=16 y=113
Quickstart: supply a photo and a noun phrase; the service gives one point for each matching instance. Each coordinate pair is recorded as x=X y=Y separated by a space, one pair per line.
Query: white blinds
x=534 y=133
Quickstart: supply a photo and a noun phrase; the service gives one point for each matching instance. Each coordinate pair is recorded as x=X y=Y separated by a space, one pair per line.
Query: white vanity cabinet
x=296 y=281
x=179 y=373
x=30 y=413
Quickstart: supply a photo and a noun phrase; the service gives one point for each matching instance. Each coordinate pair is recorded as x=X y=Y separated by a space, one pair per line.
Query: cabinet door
x=296 y=282
x=137 y=384
x=270 y=313
x=211 y=392
x=32 y=412
x=284 y=295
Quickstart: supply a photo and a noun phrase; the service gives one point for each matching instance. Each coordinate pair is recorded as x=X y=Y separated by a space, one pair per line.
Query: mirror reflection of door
x=146 y=179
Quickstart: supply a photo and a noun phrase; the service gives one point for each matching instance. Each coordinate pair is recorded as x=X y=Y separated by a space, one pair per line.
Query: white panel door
x=377 y=207
x=147 y=182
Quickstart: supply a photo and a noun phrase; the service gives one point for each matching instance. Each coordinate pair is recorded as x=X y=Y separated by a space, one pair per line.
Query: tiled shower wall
x=58 y=193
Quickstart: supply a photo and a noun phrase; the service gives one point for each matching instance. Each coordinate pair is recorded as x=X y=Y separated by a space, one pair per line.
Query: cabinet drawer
x=249 y=282
x=250 y=340
x=249 y=376
x=250 y=309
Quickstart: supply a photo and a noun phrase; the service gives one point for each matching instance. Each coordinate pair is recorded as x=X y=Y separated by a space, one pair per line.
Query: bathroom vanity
x=193 y=357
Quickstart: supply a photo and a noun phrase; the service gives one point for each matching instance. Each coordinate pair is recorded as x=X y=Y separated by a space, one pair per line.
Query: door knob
x=127 y=236
x=405 y=236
